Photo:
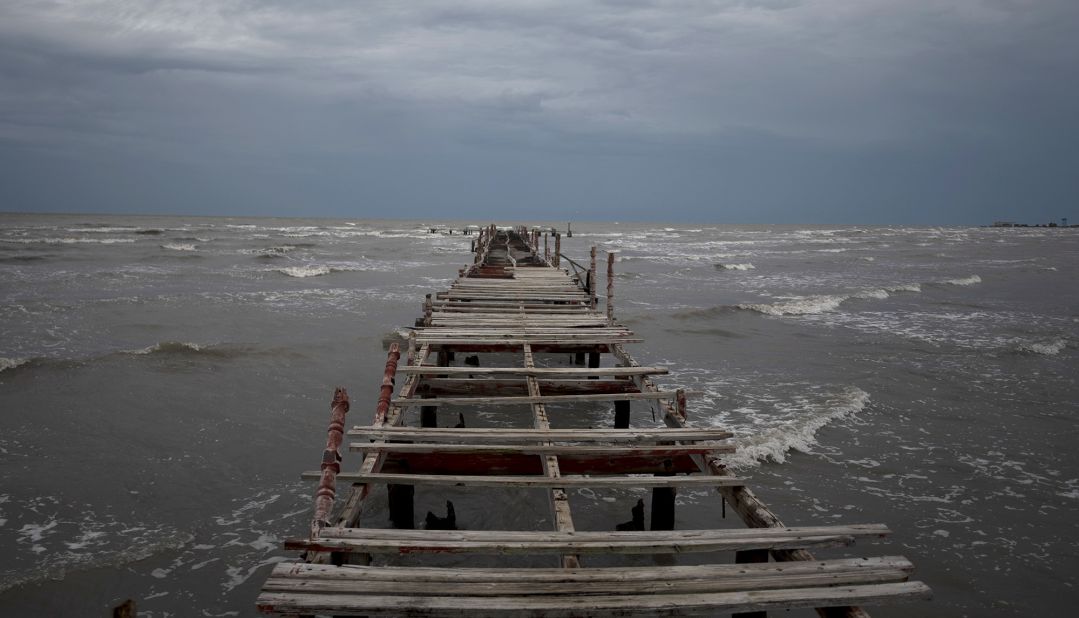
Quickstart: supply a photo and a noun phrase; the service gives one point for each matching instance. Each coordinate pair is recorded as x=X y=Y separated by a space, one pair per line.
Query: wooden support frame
x=515 y=299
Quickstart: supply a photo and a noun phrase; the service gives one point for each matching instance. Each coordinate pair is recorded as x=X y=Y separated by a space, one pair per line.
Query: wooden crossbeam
x=426 y=581
x=536 y=371
x=498 y=435
x=530 y=481
x=534 y=582
x=704 y=604
x=373 y=540
x=512 y=401
x=543 y=449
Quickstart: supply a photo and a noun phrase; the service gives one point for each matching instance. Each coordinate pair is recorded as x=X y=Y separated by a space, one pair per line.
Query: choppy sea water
x=163 y=380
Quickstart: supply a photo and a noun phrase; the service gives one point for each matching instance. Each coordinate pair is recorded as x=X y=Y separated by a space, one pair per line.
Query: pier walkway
x=478 y=344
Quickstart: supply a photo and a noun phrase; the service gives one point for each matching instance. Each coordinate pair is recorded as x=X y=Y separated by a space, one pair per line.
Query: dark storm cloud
x=783 y=110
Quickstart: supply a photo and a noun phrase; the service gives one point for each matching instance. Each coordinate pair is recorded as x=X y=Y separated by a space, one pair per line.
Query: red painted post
x=680 y=402
x=386 y=392
x=331 y=462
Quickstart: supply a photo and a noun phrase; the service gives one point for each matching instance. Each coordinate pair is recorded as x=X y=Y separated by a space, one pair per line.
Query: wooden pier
x=516 y=299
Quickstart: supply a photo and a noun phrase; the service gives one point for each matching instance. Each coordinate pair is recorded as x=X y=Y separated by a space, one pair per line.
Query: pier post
x=427 y=307
x=610 y=289
x=557 y=250
x=663 y=502
x=593 y=363
x=751 y=556
x=621 y=415
x=592 y=279
x=578 y=358
x=546 y=249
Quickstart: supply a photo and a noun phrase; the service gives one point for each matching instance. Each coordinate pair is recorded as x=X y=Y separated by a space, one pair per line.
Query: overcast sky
x=730 y=111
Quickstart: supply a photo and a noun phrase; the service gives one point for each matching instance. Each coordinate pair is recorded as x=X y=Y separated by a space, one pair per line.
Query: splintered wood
x=515 y=300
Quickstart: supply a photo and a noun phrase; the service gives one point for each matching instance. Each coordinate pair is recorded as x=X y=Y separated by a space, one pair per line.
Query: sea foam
x=971 y=280
x=775 y=443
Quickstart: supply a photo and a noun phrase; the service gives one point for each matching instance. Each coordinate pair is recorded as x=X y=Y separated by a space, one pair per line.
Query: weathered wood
x=513 y=401
x=542 y=449
x=421 y=581
x=499 y=435
x=537 y=371
x=703 y=604
x=513 y=300
x=532 y=481
x=374 y=540
x=518 y=386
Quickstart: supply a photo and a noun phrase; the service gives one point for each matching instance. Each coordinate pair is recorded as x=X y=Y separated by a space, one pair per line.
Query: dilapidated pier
x=517 y=301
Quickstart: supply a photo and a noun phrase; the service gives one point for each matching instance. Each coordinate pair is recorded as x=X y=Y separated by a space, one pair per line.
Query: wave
x=971 y=280
x=804 y=305
x=801 y=434
x=183 y=348
x=317 y=270
x=306 y=271
x=746 y=266
x=176 y=246
x=13 y=363
x=68 y=240
x=1047 y=349
x=270 y=252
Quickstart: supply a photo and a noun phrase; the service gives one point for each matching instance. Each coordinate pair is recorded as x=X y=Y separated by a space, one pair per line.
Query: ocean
x=164 y=380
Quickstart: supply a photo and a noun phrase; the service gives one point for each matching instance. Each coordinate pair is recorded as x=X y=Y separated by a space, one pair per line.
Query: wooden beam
x=536 y=371
x=513 y=401
x=376 y=540
x=498 y=435
x=703 y=604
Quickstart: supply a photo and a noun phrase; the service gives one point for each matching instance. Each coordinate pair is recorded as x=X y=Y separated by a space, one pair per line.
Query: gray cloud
x=894 y=110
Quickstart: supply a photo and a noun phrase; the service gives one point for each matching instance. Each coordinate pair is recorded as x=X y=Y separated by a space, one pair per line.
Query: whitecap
x=177 y=246
x=67 y=240
x=807 y=305
x=746 y=266
x=168 y=346
x=1048 y=349
x=12 y=363
x=774 y=443
x=305 y=271
x=971 y=280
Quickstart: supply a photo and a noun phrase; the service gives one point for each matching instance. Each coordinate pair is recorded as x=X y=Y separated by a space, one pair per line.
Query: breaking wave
x=971 y=280
x=800 y=434
x=12 y=363
x=734 y=266
x=177 y=246
x=1047 y=349
x=805 y=305
x=67 y=240
x=306 y=271
x=183 y=348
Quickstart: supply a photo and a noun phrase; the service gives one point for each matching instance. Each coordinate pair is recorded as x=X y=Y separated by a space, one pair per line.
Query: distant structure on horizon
x=1063 y=223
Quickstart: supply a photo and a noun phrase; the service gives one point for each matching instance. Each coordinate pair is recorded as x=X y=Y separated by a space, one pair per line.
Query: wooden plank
x=450 y=387
x=536 y=371
x=539 y=340
x=563 y=520
x=641 y=574
x=498 y=435
x=542 y=449
x=423 y=582
x=512 y=401
x=530 y=481
x=702 y=604
x=375 y=540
